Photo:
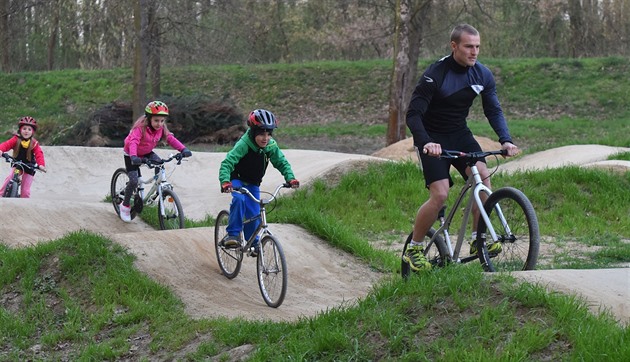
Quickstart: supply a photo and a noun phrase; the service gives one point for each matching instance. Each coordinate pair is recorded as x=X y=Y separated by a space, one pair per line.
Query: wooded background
x=39 y=35
x=92 y=34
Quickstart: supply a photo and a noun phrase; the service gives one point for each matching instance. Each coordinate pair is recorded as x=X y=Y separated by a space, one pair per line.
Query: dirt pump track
x=71 y=196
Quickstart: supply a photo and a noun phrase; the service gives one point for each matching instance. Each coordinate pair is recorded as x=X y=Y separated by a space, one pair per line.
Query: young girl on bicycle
x=245 y=166
x=26 y=149
x=144 y=136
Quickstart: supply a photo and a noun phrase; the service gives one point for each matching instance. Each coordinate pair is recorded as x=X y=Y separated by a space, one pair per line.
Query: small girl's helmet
x=156 y=108
x=262 y=119
x=30 y=121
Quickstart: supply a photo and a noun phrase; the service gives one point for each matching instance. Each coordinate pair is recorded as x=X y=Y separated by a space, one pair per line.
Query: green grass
x=80 y=298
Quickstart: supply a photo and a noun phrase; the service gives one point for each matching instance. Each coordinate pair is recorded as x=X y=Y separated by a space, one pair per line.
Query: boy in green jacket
x=245 y=166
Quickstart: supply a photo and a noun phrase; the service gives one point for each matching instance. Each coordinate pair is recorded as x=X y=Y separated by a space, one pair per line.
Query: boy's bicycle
x=271 y=264
x=14 y=185
x=169 y=208
x=507 y=217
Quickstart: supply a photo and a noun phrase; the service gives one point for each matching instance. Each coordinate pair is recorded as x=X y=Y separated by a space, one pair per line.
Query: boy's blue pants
x=241 y=208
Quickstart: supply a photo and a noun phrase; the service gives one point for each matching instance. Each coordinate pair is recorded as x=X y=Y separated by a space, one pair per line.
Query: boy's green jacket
x=248 y=162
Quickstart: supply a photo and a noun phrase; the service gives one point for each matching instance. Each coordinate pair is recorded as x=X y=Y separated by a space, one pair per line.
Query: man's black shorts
x=435 y=169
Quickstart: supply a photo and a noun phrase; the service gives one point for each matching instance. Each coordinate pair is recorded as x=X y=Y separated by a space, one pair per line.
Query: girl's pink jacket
x=37 y=150
x=137 y=145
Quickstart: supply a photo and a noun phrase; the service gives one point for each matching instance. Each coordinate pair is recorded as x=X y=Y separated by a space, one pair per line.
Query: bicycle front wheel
x=11 y=190
x=514 y=220
x=173 y=216
x=15 y=192
x=119 y=182
x=272 y=271
x=229 y=260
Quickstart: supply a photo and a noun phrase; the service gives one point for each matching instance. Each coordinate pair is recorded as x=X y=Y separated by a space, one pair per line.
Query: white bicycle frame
x=158 y=182
x=474 y=181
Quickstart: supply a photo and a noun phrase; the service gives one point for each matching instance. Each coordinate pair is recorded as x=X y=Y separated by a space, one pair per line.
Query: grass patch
x=80 y=298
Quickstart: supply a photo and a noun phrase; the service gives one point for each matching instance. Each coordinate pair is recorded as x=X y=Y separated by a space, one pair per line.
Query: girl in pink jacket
x=26 y=149
x=142 y=139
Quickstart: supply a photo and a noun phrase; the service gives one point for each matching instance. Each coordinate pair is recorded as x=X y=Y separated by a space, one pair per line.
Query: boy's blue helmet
x=262 y=119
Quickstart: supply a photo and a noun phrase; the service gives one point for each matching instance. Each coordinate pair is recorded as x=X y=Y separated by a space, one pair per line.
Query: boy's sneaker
x=125 y=213
x=231 y=242
x=493 y=248
x=416 y=259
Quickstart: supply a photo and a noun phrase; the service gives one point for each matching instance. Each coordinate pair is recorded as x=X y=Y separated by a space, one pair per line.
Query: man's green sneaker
x=416 y=259
x=494 y=248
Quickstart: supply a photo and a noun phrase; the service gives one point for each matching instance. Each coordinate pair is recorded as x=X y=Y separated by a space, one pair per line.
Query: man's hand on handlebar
x=432 y=149
x=511 y=149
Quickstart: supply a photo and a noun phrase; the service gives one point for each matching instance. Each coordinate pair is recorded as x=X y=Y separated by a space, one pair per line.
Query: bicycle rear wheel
x=173 y=217
x=119 y=182
x=437 y=253
x=271 y=268
x=519 y=235
x=229 y=260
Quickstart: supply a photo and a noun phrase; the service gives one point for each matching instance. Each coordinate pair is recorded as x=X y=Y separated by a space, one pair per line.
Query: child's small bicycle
x=271 y=264
x=169 y=208
x=13 y=186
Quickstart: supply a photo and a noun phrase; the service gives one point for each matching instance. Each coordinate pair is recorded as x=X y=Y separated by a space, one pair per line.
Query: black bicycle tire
x=276 y=254
x=7 y=190
x=178 y=205
x=15 y=192
x=226 y=255
x=438 y=259
x=116 y=192
x=495 y=263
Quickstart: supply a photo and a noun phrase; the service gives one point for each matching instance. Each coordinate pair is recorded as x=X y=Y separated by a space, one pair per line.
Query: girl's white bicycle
x=169 y=208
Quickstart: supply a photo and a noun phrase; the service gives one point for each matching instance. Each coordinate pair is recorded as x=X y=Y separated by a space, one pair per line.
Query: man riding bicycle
x=436 y=118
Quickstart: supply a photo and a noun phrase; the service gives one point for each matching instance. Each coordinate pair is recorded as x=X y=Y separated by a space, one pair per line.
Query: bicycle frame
x=158 y=182
x=263 y=227
x=475 y=182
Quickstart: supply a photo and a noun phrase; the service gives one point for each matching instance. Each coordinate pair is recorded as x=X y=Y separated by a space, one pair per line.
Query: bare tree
x=141 y=21
x=4 y=35
x=54 y=33
x=411 y=20
x=400 y=77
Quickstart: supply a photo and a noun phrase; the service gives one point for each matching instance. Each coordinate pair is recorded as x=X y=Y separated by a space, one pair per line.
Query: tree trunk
x=52 y=38
x=154 y=52
x=397 y=125
x=140 y=57
x=4 y=35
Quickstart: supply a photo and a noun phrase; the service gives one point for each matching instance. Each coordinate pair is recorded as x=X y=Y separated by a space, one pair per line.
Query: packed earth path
x=71 y=197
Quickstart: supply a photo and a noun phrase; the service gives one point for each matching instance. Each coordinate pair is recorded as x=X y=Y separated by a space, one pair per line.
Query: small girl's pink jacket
x=138 y=145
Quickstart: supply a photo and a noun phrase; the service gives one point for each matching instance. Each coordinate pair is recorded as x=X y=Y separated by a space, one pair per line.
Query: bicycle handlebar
x=21 y=164
x=472 y=155
x=153 y=163
x=245 y=191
